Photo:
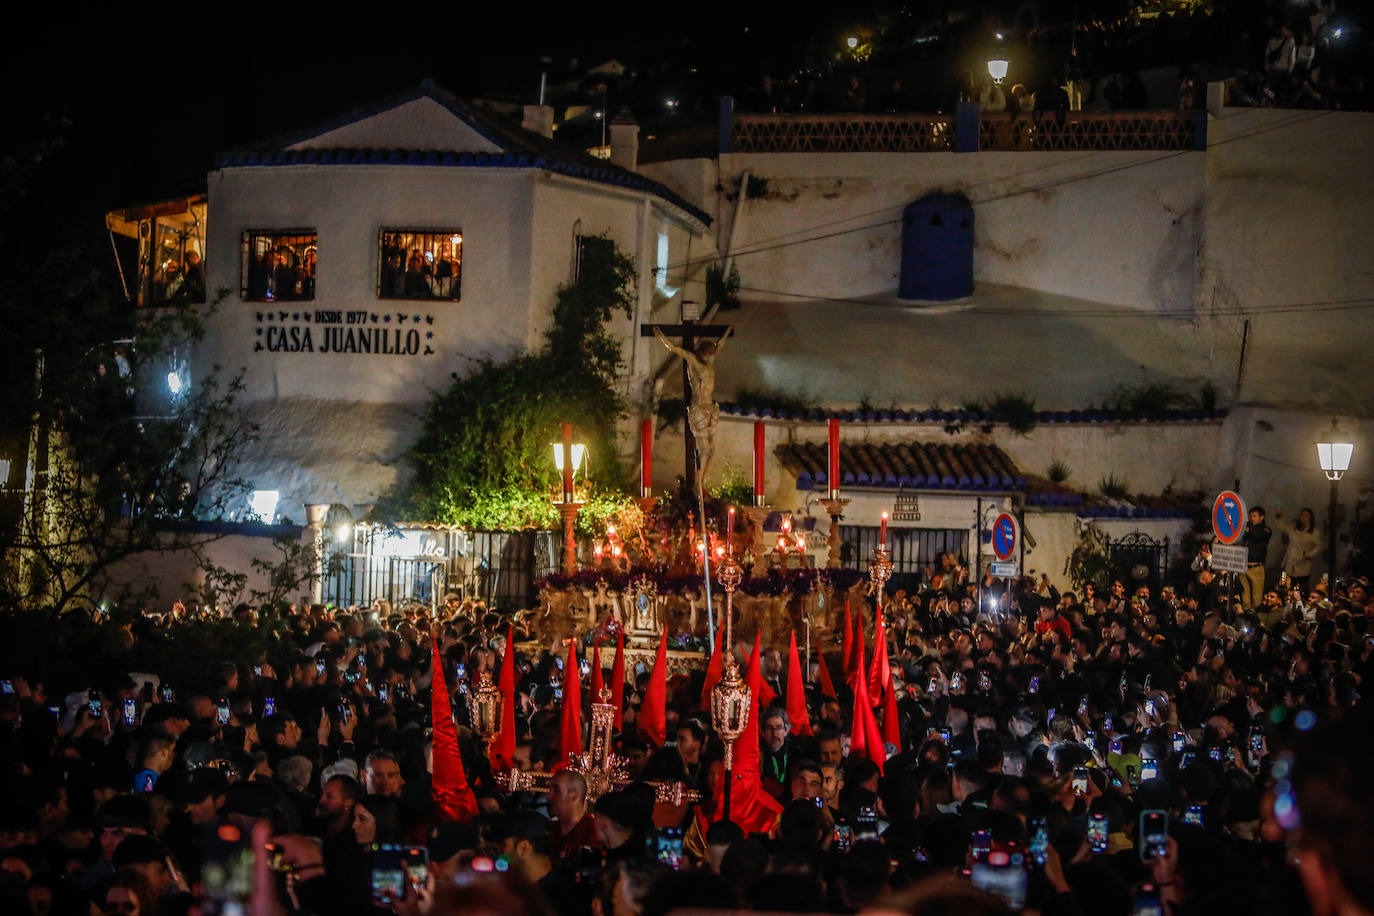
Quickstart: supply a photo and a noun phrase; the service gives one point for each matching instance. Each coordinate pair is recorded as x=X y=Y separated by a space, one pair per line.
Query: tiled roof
x=520 y=149
x=973 y=418
x=922 y=465
x=1044 y=494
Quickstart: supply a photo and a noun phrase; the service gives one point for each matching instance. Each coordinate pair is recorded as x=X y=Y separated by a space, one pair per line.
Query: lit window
x=279 y=265
x=420 y=264
x=263 y=505
x=661 y=267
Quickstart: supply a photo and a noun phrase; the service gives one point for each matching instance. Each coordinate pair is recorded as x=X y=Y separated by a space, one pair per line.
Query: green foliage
x=483 y=459
x=1113 y=487
x=1149 y=398
x=1059 y=472
x=1015 y=410
x=292 y=571
x=1090 y=562
x=754 y=399
x=722 y=288
x=734 y=489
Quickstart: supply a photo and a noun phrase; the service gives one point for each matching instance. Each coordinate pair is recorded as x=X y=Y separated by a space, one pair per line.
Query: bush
x=1113 y=487
x=1059 y=472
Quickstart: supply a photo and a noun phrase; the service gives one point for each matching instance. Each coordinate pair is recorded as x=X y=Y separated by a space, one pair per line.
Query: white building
x=1105 y=252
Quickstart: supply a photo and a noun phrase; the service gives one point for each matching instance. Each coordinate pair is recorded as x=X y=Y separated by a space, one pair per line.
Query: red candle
x=758 y=463
x=882 y=533
x=730 y=526
x=833 y=471
x=567 y=463
x=646 y=457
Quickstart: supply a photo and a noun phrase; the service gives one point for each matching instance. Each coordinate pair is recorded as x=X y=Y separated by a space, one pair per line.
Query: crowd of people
x=1113 y=752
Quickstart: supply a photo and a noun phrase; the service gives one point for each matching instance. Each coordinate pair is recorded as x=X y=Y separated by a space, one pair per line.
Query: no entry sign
x=1005 y=532
x=1228 y=517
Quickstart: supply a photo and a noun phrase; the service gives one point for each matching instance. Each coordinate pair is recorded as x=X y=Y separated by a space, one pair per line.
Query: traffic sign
x=1228 y=517
x=1005 y=533
x=1230 y=558
x=1004 y=570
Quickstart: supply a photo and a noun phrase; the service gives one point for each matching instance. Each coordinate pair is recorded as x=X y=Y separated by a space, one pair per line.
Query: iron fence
x=498 y=567
x=915 y=552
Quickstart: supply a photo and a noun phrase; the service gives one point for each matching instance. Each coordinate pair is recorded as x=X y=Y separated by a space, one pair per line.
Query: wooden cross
x=689 y=331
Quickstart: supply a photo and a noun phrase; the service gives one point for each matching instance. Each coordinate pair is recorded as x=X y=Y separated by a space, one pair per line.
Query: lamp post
x=567 y=457
x=1334 y=454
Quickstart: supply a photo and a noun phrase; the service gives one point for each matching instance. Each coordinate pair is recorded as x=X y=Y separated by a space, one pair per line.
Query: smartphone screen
x=1004 y=876
x=946 y=735
x=1035 y=684
x=319 y=666
x=1147 y=902
x=1083 y=706
x=984 y=681
x=956 y=683
x=1154 y=834
x=1193 y=815
x=388 y=873
x=1149 y=769
x=1149 y=707
x=1180 y=741
x=1039 y=841
x=383 y=693
x=1080 y=781
x=866 y=825
x=842 y=837
x=1115 y=746
x=1187 y=760
x=669 y=847
x=416 y=861
x=7 y=687
x=222 y=712
x=982 y=844
x=269 y=706
x=130 y=711
x=168 y=694
x=1097 y=833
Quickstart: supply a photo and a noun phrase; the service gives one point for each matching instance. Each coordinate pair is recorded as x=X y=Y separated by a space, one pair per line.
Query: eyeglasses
x=775 y=727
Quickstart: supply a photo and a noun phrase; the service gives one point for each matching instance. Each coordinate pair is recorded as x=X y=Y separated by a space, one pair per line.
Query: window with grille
x=278 y=265
x=593 y=251
x=420 y=264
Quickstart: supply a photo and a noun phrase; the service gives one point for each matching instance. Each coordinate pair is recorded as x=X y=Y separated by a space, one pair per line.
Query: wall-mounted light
x=997 y=69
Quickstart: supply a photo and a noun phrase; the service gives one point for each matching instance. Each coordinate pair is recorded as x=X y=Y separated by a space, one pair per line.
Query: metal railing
x=915 y=552
x=842 y=133
x=943 y=133
x=498 y=567
x=1076 y=130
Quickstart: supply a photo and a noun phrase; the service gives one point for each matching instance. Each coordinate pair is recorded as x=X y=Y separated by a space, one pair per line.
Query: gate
x=423 y=565
x=1139 y=559
x=915 y=552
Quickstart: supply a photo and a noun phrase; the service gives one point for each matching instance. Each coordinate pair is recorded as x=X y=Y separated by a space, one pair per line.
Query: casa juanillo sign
x=328 y=332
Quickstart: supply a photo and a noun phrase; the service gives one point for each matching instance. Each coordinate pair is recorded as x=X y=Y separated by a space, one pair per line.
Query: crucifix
x=698 y=380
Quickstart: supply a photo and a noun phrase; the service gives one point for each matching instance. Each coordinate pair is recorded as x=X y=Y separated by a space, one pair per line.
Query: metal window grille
x=278 y=265
x=915 y=551
x=420 y=264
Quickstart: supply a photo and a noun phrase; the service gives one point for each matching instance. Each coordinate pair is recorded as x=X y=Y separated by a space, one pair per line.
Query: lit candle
x=786 y=523
x=567 y=463
x=882 y=533
x=758 y=463
x=646 y=457
x=730 y=526
x=832 y=477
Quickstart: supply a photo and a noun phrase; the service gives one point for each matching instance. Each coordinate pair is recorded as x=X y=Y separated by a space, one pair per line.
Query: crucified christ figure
x=702 y=413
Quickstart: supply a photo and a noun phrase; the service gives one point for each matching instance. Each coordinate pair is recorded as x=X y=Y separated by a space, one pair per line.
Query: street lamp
x=567 y=456
x=997 y=69
x=1334 y=453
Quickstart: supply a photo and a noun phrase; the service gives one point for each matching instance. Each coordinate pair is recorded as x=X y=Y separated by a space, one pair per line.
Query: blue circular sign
x=1228 y=517
x=1004 y=536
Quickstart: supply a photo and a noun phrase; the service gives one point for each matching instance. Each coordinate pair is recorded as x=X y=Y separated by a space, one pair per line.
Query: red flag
x=827 y=685
x=571 y=731
x=880 y=672
x=847 y=649
x=857 y=669
x=713 y=668
x=753 y=809
x=453 y=797
x=892 y=731
x=618 y=679
x=652 y=722
x=503 y=748
x=858 y=734
x=873 y=739
x=596 y=672
x=796 y=693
